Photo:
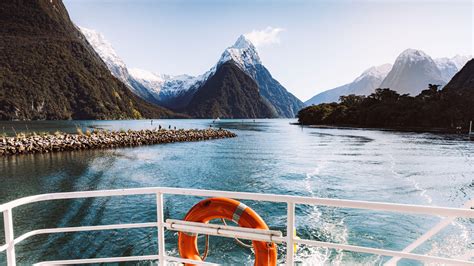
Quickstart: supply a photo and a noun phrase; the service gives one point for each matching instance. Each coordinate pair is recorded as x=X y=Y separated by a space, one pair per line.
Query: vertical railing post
x=9 y=237
x=290 y=227
x=161 y=228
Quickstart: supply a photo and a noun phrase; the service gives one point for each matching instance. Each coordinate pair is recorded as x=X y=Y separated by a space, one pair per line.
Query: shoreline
x=58 y=142
x=398 y=129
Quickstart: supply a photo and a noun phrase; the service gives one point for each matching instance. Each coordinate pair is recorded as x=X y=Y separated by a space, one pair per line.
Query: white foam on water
x=423 y=193
x=453 y=244
x=336 y=231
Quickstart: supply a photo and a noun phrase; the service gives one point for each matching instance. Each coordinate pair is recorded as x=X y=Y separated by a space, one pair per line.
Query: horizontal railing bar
x=231 y=231
x=120 y=259
x=3 y=247
x=82 y=229
x=76 y=195
x=98 y=260
x=199 y=228
x=176 y=259
x=376 y=206
x=383 y=252
x=173 y=222
x=225 y=233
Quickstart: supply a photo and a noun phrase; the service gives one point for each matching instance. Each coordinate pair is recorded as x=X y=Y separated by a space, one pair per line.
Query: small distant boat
x=216 y=120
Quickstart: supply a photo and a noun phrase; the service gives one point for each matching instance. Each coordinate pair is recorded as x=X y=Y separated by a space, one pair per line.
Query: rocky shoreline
x=57 y=142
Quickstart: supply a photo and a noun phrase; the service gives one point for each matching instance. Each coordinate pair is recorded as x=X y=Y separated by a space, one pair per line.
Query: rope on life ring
x=240 y=242
x=224 y=208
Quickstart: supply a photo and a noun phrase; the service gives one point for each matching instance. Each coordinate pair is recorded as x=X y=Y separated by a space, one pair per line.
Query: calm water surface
x=268 y=156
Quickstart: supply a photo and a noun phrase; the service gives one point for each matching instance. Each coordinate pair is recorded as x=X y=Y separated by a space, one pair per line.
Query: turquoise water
x=268 y=156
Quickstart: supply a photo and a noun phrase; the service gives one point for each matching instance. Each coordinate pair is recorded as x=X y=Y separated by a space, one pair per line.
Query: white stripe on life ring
x=238 y=212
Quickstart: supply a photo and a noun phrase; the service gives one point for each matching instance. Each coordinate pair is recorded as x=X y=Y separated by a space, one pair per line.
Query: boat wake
x=453 y=241
x=326 y=225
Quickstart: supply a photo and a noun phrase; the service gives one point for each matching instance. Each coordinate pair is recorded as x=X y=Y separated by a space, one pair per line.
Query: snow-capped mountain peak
x=364 y=84
x=151 y=81
x=243 y=43
x=148 y=85
x=412 y=55
x=243 y=53
x=411 y=73
x=166 y=86
x=145 y=75
x=379 y=72
x=450 y=66
x=461 y=60
x=102 y=46
x=177 y=91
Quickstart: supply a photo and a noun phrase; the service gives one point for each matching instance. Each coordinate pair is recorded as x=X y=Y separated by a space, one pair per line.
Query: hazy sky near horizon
x=309 y=46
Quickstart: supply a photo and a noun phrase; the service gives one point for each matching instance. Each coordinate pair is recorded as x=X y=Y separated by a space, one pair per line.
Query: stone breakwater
x=103 y=139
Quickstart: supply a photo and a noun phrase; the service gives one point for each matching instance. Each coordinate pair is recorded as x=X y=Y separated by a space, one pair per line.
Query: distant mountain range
x=49 y=71
x=365 y=84
x=449 y=109
x=177 y=92
x=450 y=66
x=411 y=73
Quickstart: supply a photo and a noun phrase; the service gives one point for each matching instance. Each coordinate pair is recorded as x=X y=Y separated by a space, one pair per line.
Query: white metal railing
x=230 y=231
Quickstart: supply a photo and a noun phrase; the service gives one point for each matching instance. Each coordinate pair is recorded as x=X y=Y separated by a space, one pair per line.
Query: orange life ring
x=215 y=208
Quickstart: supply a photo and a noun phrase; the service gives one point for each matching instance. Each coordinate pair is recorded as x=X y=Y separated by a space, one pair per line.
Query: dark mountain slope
x=244 y=54
x=464 y=79
x=285 y=103
x=229 y=93
x=49 y=71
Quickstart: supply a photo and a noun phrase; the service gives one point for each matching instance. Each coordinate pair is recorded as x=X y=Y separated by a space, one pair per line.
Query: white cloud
x=267 y=36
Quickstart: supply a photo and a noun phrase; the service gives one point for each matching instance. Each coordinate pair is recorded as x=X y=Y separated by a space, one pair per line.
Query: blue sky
x=321 y=44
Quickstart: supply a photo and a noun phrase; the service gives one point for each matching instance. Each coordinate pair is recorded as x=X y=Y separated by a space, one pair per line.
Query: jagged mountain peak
x=245 y=56
x=150 y=89
x=175 y=92
x=155 y=88
x=243 y=53
x=243 y=43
